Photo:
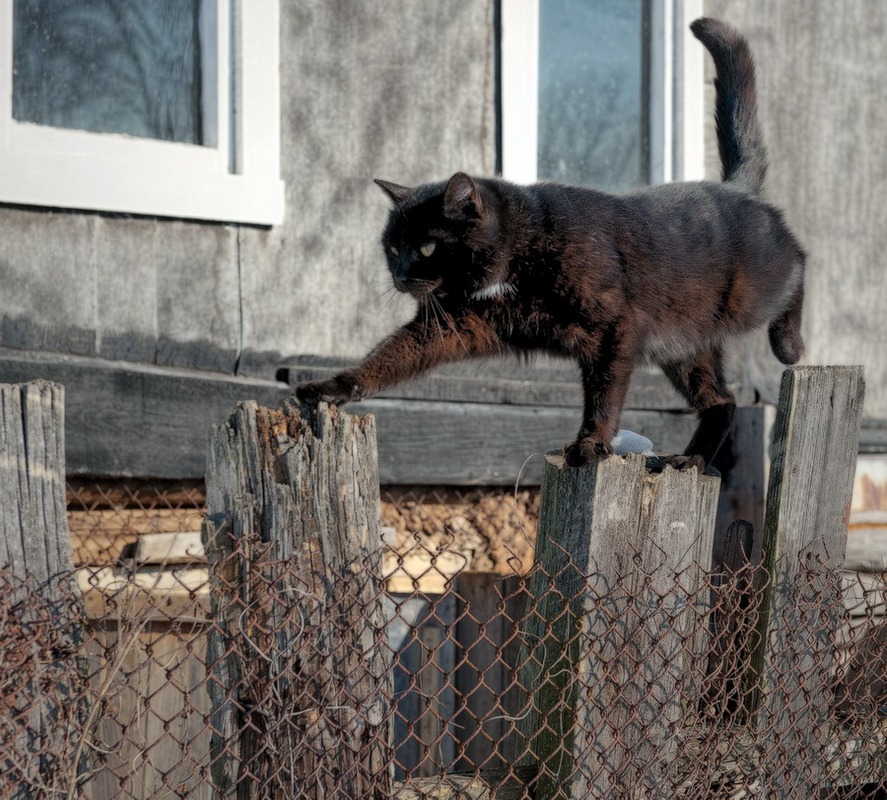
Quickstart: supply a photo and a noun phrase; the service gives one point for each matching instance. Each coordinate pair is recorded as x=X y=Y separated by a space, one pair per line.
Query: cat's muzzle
x=416 y=287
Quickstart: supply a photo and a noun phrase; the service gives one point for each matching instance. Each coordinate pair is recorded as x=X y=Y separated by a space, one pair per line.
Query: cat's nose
x=401 y=273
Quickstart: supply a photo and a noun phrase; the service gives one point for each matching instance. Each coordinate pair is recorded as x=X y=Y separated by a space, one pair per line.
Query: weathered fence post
x=614 y=644
x=300 y=667
x=34 y=537
x=815 y=441
x=38 y=704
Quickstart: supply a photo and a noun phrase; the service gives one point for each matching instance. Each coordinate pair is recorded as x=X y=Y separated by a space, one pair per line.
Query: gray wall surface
x=377 y=88
x=401 y=91
x=822 y=88
x=405 y=91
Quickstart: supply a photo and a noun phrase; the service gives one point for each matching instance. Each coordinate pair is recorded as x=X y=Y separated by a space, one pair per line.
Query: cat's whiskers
x=432 y=310
x=392 y=297
x=450 y=323
x=380 y=301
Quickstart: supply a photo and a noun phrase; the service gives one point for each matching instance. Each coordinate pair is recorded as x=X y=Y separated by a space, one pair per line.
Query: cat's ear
x=462 y=199
x=397 y=194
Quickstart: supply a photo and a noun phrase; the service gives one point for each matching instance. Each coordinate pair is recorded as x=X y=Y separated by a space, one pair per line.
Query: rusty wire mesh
x=188 y=679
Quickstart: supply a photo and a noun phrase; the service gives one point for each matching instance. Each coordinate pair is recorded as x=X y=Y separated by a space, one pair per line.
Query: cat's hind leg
x=701 y=381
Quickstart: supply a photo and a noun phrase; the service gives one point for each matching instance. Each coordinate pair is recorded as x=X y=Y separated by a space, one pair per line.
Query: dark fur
x=666 y=273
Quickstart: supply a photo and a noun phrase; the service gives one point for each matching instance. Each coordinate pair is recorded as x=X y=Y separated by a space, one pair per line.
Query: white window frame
x=236 y=178
x=677 y=91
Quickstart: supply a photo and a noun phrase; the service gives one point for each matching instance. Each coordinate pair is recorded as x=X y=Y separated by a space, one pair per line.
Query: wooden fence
x=611 y=525
x=637 y=672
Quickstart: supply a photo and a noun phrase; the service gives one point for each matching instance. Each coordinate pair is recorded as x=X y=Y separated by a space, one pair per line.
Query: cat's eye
x=393 y=250
x=427 y=249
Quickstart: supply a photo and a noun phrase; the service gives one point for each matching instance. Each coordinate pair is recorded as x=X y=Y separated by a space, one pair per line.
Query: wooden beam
x=490 y=445
x=293 y=539
x=611 y=650
x=743 y=462
x=153 y=594
x=486 y=675
x=545 y=381
x=128 y=419
x=815 y=438
x=34 y=538
x=125 y=419
x=41 y=699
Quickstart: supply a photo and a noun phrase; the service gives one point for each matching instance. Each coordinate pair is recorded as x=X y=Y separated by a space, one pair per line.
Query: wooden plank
x=867 y=540
x=736 y=582
x=34 y=538
x=102 y=537
x=171 y=741
x=815 y=439
x=432 y=728
x=114 y=659
x=491 y=607
x=148 y=595
x=489 y=445
x=40 y=703
x=181 y=547
x=127 y=419
x=559 y=389
x=865 y=594
x=541 y=381
x=405 y=614
x=293 y=532
x=151 y=735
x=873 y=436
x=624 y=605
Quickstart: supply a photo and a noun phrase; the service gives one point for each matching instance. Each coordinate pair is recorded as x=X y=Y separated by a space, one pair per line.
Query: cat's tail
x=740 y=141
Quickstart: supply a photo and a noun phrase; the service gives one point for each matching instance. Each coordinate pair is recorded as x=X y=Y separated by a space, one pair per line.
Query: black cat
x=666 y=273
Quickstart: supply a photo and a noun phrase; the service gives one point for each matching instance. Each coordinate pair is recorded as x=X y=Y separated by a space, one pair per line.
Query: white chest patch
x=497 y=289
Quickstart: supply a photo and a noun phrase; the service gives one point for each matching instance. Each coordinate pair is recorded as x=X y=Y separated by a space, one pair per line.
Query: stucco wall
x=822 y=79
x=404 y=90
x=161 y=292
x=376 y=88
x=401 y=91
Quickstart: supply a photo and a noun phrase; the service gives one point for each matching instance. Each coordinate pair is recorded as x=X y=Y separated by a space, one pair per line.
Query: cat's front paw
x=582 y=451
x=337 y=390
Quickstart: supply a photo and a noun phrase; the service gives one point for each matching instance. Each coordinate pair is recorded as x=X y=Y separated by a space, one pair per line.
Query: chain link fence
x=156 y=674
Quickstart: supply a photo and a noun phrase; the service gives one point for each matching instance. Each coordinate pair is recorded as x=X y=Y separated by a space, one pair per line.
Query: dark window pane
x=593 y=92
x=112 y=66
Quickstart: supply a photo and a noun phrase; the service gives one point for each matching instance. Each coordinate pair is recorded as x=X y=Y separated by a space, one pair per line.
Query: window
x=606 y=93
x=158 y=107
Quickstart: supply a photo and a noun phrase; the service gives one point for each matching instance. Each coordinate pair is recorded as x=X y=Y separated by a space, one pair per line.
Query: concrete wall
x=376 y=88
x=822 y=79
